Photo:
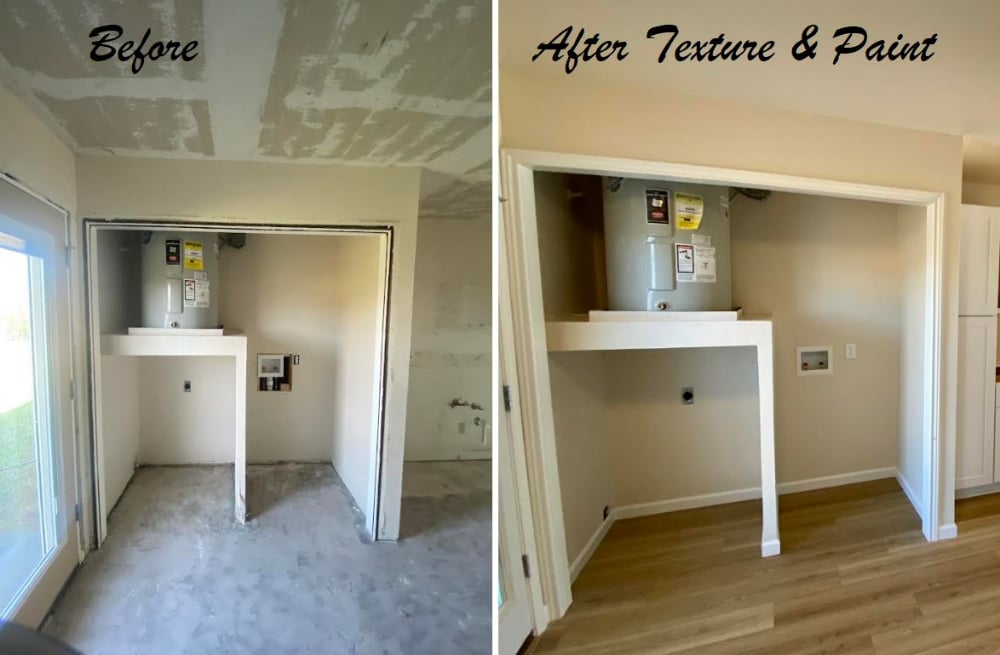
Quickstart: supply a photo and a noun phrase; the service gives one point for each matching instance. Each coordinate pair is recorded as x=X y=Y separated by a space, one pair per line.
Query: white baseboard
x=910 y=493
x=768 y=548
x=972 y=492
x=949 y=531
x=588 y=551
x=836 y=480
x=752 y=493
x=689 y=502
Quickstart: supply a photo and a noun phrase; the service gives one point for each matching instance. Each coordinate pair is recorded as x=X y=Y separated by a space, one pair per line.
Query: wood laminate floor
x=855 y=576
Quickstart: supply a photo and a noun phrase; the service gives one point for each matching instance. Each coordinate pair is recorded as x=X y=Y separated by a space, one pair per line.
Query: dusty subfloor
x=178 y=575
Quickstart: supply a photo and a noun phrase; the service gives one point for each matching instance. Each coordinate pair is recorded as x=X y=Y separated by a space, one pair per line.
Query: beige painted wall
x=282 y=194
x=912 y=238
x=567 y=240
x=579 y=389
x=827 y=270
x=569 y=115
x=831 y=272
x=452 y=343
x=981 y=194
x=661 y=449
x=577 y=380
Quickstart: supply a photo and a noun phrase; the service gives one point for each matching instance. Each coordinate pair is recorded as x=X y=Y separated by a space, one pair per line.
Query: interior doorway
x=302 y=311
x=537 y=335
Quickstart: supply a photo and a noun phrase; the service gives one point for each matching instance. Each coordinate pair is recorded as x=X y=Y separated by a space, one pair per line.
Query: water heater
x=180 y=280
x=667 y=246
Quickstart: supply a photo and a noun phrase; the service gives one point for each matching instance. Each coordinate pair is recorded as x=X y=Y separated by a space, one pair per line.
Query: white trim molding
x=948 y=531
x=588 y=551
x=768 y=548
x=913 y=496
x=519 y=265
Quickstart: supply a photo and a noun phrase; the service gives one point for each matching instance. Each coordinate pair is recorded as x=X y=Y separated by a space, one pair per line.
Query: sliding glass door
x=38 y=536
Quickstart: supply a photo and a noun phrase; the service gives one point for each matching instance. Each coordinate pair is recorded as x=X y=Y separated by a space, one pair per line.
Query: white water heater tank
x=655 y=265
x=180 y=280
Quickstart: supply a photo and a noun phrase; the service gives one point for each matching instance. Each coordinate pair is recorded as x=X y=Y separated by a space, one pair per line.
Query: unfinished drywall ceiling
x=357 y=82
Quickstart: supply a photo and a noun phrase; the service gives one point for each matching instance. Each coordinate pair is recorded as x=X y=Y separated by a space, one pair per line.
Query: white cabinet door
x=979 y=259
x=976 y=403
x=996 y=451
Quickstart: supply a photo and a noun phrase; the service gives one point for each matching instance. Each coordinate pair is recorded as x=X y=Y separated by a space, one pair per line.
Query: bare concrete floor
x=178 y=575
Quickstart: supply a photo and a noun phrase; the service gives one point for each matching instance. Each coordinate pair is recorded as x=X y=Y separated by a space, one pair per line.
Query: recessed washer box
x=814 y=360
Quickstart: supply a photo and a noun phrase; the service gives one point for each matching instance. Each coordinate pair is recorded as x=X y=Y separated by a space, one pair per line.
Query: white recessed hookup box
x=814 y=360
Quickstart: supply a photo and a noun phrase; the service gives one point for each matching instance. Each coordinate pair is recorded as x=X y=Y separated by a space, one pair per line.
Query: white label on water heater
x=685 y=262
x=196 y=293
x=704 y=264
x=695 y=263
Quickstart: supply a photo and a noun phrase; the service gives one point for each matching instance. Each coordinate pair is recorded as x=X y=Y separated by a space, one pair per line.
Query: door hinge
x=76 y=512
x=526 y=566
x=506 y=398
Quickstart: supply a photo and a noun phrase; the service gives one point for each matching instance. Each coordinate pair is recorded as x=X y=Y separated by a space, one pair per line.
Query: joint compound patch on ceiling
x=355 y=82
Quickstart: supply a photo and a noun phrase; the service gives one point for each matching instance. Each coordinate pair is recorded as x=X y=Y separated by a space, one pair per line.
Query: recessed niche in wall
x=814 y=360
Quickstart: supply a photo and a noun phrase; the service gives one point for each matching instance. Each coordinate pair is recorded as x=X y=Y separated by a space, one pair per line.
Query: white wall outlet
x=461 y=427
x=851 y=351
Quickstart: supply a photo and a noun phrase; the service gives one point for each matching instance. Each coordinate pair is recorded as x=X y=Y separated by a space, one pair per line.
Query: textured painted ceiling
x=357 y=82
x=957 y=91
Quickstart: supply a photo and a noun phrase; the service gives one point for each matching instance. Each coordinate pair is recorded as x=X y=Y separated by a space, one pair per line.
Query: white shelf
x=579 y=334
x=174 y=345
x=174 y=332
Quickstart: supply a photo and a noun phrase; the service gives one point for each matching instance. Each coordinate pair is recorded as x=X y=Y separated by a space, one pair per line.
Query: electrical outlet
x=461 y=427
x=851 y=351
x=295 y=360
x=187 y=386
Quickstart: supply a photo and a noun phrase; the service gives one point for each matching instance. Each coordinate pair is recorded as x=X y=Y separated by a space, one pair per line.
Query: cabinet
x=975 y=450
x=979 y=257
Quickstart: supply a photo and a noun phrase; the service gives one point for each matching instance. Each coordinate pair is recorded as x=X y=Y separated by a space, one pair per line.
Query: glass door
x=513 y=606
x=38 y=539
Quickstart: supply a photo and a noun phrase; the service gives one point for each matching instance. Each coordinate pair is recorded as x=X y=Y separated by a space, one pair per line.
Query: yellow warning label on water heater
x=688 y=209
x=194 y=256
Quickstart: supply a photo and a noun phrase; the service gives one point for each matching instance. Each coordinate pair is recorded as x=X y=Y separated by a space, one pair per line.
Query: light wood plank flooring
x=855 y=576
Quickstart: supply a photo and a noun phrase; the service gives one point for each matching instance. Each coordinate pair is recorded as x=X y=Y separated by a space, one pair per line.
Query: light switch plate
x=851 y=351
